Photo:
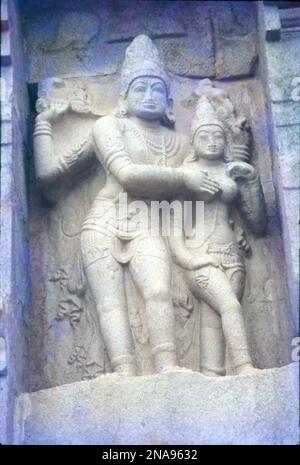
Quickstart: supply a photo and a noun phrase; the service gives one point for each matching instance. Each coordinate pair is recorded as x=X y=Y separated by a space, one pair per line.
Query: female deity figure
x=140 y=154
x=219 y=281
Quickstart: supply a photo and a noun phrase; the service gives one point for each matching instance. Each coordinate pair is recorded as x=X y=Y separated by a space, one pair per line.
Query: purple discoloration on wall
x=13 y=248
x=84 y=38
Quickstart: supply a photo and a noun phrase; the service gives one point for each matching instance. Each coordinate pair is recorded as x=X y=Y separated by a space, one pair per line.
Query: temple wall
x=247 y=48
x=14 y=261
x=279 y=41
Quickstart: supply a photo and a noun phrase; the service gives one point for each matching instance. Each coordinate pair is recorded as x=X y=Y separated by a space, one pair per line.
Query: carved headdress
x=215 y=107
x=205 y=115
x=141 y=59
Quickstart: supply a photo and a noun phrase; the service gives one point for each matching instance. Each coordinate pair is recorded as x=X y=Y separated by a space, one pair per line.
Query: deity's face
x=147 y=98
x=209 y=142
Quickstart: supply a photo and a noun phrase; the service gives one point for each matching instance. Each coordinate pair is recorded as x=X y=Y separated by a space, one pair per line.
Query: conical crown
x=141 y=59
x=205 y=115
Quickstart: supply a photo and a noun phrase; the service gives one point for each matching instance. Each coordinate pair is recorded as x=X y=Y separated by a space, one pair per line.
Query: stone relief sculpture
x=137 y=151
x=143 y=309
x=219 y=282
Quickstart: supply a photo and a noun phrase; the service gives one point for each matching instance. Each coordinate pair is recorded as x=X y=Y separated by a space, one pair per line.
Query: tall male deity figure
x=140 y=153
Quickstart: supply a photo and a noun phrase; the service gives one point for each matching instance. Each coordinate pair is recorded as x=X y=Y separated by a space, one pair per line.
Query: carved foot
x=118 y=374
x=211 y=374
x=247 y=369
x=112 y=375
x=175 y=368
x=124 y=370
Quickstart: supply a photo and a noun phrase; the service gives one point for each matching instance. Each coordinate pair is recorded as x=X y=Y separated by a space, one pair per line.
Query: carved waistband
x=229 y=248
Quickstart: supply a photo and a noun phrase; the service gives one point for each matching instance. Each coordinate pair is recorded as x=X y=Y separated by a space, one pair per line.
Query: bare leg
x=151 y=273
x=212 y=344
x=237 y=281
x=105 y=278
x=213 y=287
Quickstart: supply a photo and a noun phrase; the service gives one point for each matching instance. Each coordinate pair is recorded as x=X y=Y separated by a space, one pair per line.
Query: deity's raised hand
x=55 y=110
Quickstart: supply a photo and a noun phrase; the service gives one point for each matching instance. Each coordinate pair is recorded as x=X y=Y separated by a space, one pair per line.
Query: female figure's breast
x=229 y=189
x=214 y=224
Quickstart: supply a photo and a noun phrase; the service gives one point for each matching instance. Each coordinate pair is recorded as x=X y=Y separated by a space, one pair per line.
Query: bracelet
x=240 y=153
x=253 y=181
x=42 y=133
x=42 y=128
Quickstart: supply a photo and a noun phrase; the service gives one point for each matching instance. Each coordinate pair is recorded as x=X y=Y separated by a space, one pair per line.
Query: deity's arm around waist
x=182 y=255
x=176 y=240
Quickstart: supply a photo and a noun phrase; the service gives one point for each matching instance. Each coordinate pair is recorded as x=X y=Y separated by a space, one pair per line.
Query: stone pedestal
x=174 y=408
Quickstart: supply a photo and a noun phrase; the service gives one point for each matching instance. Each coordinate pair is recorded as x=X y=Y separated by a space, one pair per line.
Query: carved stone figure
x=139 y=152
x=214 y=264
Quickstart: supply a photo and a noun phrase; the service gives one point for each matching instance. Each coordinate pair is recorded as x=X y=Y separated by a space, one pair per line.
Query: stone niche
x=74 y=50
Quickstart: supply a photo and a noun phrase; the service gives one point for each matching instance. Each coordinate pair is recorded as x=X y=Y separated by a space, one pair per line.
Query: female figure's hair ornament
x=236 y=128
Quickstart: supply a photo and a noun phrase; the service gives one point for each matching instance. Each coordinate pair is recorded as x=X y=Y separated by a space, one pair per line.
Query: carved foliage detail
x=74 y=307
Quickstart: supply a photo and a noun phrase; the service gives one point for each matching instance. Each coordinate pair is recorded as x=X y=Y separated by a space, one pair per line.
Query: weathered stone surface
x=74 y=30
x=50 y=367
x=272 y=23
x=188 y=56
x=5 y=48
x=82 y=42
x=156 y=19
x=13 y=256
x=289 y=155
x=283 y=66
x=290 y=216
x=85 y=41
x=283 y=84
x=174 y=408
x=3 y=357
x=290 y=18
x=236 y=57
x=5 y=409
x=235 y=19
x=280 y=73
x=286 y=112
x=85 y=38
x=6 y=133
x=194 y=54
x=94 y=40
x=235 y=40
x=69 y=44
